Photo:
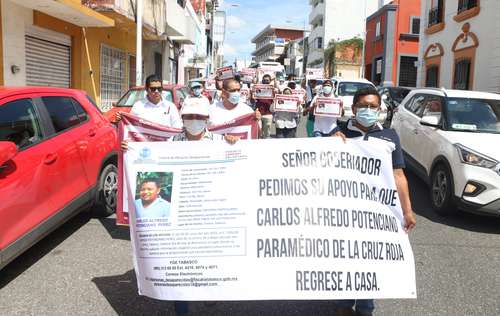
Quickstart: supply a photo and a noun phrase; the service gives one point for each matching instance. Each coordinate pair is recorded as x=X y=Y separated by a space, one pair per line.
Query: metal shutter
x=47 y=63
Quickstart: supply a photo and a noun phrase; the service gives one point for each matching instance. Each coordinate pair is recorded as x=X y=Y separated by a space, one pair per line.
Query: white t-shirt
x=324 y=124
x=163 y=113
x=220 y=115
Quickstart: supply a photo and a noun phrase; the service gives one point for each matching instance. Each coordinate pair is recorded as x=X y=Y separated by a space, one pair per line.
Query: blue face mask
x=366 y=117
x=234 y=97
x=197 y=92
x=327 y=90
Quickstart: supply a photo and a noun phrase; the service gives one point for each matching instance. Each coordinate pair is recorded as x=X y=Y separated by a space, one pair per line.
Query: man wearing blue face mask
x=365 y=108
x=323 y=125
x=196 y=95
x=230 y=106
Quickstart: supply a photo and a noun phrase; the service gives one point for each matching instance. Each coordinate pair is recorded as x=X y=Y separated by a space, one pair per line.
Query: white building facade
x=459 y=45
x=338 y=20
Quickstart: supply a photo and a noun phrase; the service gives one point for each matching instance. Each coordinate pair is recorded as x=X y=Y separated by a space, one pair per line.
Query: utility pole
x=364 y=44
x=138 y=44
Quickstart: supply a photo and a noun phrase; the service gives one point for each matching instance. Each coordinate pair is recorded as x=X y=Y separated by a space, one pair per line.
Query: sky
x=251 y=16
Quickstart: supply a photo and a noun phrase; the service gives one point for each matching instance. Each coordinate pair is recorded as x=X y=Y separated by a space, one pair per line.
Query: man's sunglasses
x=155 y=89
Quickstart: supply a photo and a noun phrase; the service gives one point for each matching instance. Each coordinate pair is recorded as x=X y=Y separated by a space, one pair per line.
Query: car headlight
x=474 y=158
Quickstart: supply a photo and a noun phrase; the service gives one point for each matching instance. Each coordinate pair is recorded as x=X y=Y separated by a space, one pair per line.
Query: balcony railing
x=435 y=15
x=464 y=5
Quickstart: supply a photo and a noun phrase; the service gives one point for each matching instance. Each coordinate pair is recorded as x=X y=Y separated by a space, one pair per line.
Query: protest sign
x=210 y=85
x=330 y=107
x=244 y=95
x=314 y=220
x=299 y=92
x=138 y=130
x=263 y=91
x=224 y=73
x=314 y=73
x=248 y=74
x=286 y=103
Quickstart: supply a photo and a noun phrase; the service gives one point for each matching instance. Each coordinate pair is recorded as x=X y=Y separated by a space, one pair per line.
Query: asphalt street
x=85 y=268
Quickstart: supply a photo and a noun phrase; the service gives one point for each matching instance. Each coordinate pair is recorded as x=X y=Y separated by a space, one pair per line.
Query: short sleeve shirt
x=159 y=208
x=219 y=115
x=164 y=112
x=377 y=131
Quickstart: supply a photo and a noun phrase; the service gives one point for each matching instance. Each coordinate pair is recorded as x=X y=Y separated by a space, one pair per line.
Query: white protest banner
x=248 y=74
x=263 y=91
x=331 y=107
x=286 y=103
x=224 y=73
x=314 y=73
x=135 y=129
x=268 y=219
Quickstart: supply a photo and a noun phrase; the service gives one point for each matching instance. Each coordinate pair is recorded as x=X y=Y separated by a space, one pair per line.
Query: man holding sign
x=285 y=108
x=366 y=105
x=326 y=108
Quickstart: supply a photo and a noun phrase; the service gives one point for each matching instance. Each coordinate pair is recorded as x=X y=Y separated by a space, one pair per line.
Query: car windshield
x=133 y=96
x=350 y=88
x=473 y=115
x=398 y=94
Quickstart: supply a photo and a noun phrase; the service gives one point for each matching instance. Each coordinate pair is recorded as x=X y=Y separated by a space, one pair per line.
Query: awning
x=71 y=11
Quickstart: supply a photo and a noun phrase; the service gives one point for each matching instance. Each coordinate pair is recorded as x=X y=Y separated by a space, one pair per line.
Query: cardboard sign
x=314 y=73
x=244 y=94
x=248 y=74
x=263 y=91
x=224 y=73
x=330 y=107
x=286 y=103
x=301 y=93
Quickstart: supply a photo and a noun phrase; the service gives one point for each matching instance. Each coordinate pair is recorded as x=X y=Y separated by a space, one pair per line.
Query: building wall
x=348 y=71
x=289 y=35
x=486 y=70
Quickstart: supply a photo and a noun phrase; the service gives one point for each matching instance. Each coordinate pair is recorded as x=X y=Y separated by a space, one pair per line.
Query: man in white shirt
x=196 y=95
x=324 y=125
x=229 y=107
x=155 y=109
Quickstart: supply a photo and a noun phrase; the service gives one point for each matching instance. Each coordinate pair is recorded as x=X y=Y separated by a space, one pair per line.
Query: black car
x=392 y=97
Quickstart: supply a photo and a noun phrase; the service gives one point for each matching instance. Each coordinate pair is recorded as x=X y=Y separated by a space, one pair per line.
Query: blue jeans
x=181 y=308
x=362 y=306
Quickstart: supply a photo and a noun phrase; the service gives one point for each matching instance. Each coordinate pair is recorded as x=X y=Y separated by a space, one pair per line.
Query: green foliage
x=165 y=179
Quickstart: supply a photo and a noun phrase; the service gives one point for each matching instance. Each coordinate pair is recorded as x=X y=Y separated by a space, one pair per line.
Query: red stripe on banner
x=245 y=120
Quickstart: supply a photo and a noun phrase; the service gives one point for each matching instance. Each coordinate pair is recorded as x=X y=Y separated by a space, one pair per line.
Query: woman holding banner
x=286 y=121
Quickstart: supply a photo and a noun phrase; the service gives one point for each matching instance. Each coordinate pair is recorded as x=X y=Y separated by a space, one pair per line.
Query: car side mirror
x=8 y=150
x=430 y=120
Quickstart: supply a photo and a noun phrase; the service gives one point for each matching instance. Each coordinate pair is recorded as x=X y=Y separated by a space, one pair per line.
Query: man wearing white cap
x=195 y=117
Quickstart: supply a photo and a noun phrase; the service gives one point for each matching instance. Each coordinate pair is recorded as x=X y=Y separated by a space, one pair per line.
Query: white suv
x=451 y=138
x=345 y=90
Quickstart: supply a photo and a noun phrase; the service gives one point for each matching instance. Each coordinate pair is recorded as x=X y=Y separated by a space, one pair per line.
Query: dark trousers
x=181 y=308
x=286 y=132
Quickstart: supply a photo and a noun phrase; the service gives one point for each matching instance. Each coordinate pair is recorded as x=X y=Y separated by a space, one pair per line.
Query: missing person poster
x=286 y=103
x=306 y=220
x=263 y=91
x=330 y=107
x=224 y=73
x=248 y=74
x=314 y=73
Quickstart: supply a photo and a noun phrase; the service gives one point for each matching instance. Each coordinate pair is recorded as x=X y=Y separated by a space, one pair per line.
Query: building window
x=464 y=5
x=319 y=42
x=377 y=29
x=415 y=25
x=431 y=76
x=461 y=79
x=436 y=13
x=113 y=76
x=408 y=71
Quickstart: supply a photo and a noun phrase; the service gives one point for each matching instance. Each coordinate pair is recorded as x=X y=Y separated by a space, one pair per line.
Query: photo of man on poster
x=150 y=204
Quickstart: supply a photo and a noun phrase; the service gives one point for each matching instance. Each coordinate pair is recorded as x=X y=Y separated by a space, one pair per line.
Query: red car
x=58 y=156
x=175 y=93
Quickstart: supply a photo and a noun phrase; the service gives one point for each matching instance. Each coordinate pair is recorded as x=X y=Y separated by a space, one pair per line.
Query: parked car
x=345 y=90
x=451 y=139
x=58 y=156
x=175 y=93
x=392 y=98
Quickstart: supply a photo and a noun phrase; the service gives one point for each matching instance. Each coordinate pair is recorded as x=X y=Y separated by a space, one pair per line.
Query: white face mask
x=195 y=127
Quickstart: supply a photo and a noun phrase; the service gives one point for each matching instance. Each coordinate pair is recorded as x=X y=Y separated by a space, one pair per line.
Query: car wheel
x=441 y=190
x=107 y=191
